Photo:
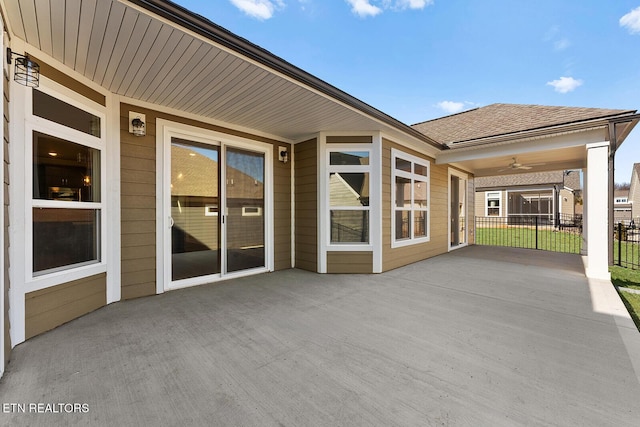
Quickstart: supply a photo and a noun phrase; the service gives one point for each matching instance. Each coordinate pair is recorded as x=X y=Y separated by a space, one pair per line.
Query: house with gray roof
x=111 y=106
x=528 y=195
x=634 y=193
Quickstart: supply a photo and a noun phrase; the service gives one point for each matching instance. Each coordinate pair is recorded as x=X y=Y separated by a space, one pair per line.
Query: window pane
x=349 y=158
x=348 y=189
x=403 y=225
x=420 y=224
x=63 y=170
x=419 y=194
x=403 y=165
x=349 y=226
x=64 y=237
x=403 y=192
x=421 y=170
x=60 y=112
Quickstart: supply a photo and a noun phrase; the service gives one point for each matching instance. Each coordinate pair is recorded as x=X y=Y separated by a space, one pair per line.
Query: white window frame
x=487 y=196
x=209 y=212
x=341 y=148
x=412 y=240
x=251 y=211
x=41 y=280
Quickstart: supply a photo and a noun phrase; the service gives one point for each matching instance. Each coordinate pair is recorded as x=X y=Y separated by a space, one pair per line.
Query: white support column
x=597 y=196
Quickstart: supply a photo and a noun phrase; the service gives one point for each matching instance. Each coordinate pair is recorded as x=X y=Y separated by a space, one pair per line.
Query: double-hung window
x=410 y=195
x=66 y=194
x=349 y=189
x=493 y=203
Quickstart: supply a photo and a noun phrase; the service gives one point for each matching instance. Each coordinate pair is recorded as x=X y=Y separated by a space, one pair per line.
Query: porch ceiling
x=547 y=160
x=181 y=61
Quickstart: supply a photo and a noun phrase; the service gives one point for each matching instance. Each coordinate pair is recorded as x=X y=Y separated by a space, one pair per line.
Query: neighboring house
x=528 y=195
x=96 y=210
x=622 y=206
x=634 y=193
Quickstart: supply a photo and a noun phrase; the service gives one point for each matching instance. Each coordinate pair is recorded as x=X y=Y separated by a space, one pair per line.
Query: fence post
x=620 y=244
x=536 y=217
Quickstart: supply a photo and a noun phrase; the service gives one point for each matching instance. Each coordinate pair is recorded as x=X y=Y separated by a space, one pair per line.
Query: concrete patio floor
x=477 y=337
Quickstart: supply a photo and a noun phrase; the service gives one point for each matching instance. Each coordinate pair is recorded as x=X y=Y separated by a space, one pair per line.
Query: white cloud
x=631 y=21
x=260 y=9
x=364 y=8
x=561 y=44
x=451 y=107
x=565 y=84
x=413 y=4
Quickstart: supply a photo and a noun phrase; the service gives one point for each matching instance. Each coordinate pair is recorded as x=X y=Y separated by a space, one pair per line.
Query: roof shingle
x=503 y=119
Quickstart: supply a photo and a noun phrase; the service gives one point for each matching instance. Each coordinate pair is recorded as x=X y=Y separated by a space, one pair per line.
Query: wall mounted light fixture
x=137 y=125
x=26 y=72
x=283 y=155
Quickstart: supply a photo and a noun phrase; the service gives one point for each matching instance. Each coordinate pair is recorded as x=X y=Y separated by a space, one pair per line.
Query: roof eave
x=217 y=34
x=545 y=131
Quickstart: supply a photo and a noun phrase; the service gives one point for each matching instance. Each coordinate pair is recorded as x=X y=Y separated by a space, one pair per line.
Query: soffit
x=135 y=54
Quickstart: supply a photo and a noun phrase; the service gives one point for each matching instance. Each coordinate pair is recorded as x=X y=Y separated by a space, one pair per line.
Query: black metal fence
x=626 y=246
x=561 y=233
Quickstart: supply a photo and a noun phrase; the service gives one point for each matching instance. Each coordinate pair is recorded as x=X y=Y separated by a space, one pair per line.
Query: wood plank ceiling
x=133 y=54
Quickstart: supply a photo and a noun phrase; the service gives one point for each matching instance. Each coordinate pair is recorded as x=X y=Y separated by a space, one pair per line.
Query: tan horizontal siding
x=59 y=77
x=138 y=200
x=350 y=139
x=350 y=262
x=47 y=308
x=306 y=199
x=438 y=211
x=281 y=210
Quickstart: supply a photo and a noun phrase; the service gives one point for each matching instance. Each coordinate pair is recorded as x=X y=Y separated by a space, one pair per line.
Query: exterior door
x=244 y=210
x=216 y=208
x=457 y=210
x=195 y=201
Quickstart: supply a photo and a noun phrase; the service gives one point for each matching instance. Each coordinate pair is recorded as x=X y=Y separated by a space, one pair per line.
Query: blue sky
x=421 y=59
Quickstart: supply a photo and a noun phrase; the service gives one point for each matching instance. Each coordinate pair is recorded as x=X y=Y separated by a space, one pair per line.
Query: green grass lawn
x=524 y=237
x=627 y=278
x=628 y=253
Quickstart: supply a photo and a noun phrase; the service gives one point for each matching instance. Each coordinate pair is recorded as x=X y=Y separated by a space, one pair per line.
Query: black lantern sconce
x=283 y=155
x=137 y=124
x=26 y=72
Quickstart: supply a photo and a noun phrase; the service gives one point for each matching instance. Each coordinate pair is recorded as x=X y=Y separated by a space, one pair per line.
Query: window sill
x=404 y=243
x=59 y=277
x=349 y=247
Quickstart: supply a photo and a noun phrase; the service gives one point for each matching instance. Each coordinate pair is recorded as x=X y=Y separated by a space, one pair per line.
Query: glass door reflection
x=245 y=223
x=195 y=190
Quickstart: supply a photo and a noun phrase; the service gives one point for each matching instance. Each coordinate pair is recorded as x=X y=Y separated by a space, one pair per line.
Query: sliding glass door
x=195 y=201
x=244 y=220
x=217 y=222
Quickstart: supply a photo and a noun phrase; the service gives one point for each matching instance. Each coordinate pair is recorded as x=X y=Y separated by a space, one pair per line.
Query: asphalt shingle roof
x=502 y=119
x=571 y=180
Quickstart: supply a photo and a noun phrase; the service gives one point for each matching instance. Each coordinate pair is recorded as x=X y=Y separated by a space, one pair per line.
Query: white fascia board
x=530 y=145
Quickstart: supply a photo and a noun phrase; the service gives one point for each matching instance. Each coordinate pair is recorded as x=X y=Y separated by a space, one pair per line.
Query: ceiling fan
x=519 y=166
